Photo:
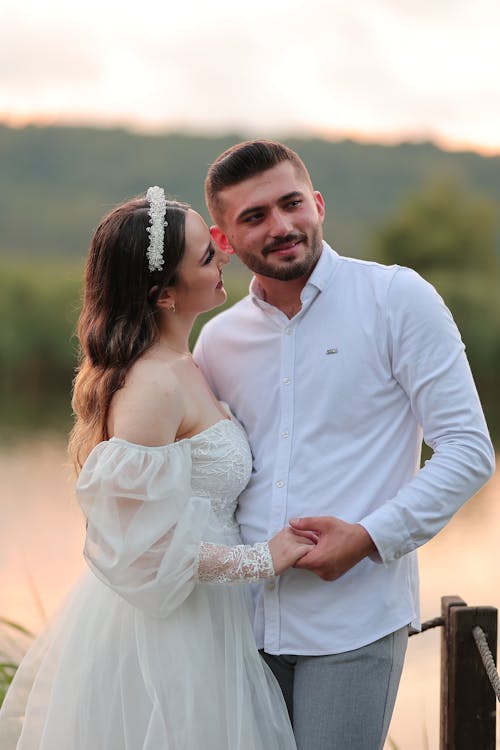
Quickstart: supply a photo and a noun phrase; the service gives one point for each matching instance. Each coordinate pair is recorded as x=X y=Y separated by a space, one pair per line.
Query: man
x=336 y=368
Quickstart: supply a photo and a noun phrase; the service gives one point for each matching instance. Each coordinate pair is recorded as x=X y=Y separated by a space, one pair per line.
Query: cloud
x=34 y=56
x=379 y=66
x=232 y=77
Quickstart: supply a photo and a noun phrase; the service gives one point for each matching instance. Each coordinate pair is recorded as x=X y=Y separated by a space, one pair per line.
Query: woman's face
x=199 y=284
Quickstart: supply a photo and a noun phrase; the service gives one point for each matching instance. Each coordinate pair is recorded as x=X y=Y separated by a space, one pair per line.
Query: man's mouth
x=284 y=247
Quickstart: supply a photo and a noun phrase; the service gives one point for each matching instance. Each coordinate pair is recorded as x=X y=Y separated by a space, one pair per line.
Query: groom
x=336 y=368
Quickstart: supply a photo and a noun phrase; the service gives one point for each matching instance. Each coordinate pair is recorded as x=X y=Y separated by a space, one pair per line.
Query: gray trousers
x=342 y=701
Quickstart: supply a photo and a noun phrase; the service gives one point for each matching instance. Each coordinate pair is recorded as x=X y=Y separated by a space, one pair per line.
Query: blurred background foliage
x=412 y=204
x=449 y=236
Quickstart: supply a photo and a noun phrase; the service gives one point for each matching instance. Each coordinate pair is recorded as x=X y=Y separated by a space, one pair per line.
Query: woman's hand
x=286 y=547
x=340 y=546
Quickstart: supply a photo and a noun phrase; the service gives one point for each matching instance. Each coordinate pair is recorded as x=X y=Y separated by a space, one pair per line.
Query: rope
x=482 y=646
x=437 y=622
x=486 y=656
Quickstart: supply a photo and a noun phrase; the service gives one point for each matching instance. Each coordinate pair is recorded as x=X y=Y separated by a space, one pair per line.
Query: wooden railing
x=470 y=684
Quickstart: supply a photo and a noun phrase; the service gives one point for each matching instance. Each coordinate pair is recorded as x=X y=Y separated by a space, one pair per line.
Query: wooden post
x=447 y=703
x=468 y=702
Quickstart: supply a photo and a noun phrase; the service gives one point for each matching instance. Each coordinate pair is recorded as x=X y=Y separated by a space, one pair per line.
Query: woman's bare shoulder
x=150 y=407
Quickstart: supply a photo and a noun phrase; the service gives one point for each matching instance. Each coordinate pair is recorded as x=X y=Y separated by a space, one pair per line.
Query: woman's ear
x=166 y=299
x=221 y=239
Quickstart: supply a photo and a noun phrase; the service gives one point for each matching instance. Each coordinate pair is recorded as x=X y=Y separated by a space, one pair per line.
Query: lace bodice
x=221 y=467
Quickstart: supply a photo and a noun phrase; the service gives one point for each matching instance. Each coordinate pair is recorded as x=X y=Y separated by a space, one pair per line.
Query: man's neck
x=285 y=295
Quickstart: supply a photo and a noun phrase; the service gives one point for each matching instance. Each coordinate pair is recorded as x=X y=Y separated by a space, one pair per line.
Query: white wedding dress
x=153 y=649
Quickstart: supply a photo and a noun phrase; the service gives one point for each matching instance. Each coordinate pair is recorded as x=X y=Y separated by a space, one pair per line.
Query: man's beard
x=294 y=269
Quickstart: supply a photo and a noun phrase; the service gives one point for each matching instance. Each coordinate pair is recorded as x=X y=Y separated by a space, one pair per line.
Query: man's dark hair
x=245 y=160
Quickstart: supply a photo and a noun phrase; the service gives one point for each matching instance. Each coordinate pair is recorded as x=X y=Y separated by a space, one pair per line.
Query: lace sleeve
x=242 y=563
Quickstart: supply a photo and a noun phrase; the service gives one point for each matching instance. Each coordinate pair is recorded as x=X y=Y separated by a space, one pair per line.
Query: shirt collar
x=316 y=282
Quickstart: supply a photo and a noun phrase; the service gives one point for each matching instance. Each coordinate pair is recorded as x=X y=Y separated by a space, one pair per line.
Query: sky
x=374 y=70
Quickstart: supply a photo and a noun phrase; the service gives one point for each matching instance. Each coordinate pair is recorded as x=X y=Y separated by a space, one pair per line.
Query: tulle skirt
x=105 y=676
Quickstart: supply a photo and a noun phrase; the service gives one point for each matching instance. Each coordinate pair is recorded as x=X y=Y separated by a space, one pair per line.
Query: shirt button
x=285 y=434
x=286 y=381
x=270 y=586
x=280 y=484
x=288 y=331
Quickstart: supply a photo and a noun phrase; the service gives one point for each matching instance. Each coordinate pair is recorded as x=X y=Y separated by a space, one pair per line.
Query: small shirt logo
x=331 y=351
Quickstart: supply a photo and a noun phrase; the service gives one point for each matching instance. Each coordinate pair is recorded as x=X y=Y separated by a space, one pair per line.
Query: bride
x=153 y=648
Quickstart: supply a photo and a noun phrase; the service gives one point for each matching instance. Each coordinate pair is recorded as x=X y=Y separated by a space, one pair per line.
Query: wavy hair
x=119 y=317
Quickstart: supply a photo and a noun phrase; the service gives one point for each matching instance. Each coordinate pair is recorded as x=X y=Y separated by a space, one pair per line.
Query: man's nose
x=280 y=223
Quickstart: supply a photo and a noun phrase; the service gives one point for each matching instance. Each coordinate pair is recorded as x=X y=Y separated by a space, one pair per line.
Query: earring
x=171 y=307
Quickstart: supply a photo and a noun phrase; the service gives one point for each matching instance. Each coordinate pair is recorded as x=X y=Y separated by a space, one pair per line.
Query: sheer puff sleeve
x=145 y=528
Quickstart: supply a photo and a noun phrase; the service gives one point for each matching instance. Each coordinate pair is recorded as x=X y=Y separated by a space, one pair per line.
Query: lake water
x=41 y=537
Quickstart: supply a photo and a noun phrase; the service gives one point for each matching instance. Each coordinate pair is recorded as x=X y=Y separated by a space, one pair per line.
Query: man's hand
x=340 y=546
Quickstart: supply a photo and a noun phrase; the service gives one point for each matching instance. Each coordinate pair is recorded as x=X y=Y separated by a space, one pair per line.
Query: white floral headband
x=157 y=210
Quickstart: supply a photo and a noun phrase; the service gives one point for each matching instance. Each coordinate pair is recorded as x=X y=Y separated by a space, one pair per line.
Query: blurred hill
x=57 y=182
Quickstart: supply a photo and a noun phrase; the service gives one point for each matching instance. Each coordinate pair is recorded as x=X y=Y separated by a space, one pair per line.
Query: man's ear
x=320 y=204
x=221 y=239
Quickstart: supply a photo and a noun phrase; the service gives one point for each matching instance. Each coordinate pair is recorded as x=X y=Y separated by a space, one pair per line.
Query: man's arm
x=429 y=363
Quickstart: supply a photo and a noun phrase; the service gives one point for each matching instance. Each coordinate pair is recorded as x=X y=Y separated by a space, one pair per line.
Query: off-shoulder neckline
x=202 y=433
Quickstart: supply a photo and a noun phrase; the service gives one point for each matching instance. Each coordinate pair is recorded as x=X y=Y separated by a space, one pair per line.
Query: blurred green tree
x=441 y=227
x=448 y=236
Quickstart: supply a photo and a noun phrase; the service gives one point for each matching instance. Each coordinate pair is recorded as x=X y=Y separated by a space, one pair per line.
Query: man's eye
x=253 y=218
x=295 y=203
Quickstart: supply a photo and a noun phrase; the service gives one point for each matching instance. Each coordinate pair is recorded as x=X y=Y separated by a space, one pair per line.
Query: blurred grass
x=39 y=308
x=8 y=652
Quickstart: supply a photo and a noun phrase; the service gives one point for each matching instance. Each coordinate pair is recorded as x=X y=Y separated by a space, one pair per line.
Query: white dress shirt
x=335 y=402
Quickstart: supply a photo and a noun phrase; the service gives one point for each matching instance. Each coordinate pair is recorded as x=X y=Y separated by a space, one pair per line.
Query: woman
x=153 y=650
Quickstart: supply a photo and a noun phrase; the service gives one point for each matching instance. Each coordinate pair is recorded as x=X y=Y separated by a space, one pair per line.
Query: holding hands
x=325 y=545
x=287 y=547
x=340 y=545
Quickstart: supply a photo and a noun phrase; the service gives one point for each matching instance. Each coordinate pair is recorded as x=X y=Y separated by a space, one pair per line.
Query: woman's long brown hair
x=118 y=321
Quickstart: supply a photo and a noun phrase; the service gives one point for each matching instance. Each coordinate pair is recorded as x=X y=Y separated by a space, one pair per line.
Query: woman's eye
x=210 y=255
